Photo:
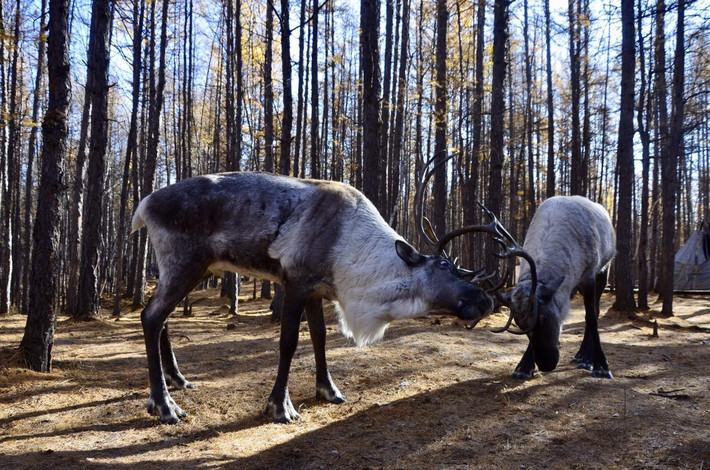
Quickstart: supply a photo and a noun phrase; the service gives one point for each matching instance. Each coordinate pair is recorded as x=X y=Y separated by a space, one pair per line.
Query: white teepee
x=692 y=262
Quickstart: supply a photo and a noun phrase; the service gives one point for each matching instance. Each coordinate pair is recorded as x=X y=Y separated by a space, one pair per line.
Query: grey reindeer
x=569 y=246
x=318 y=239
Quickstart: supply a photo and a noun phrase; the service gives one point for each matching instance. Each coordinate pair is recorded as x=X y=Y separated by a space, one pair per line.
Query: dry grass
x=431 y=395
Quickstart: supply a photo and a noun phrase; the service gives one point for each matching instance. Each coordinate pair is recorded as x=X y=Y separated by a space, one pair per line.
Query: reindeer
x=318 y=239
x=569 y=246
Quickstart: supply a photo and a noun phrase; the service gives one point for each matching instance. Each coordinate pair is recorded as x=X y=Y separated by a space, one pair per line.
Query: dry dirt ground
x=432 y=395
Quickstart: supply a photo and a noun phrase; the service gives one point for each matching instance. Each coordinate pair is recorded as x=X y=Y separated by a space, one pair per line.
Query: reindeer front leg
x=590 y=355
x=279 y=404
x=325 y=388
x=526 y=367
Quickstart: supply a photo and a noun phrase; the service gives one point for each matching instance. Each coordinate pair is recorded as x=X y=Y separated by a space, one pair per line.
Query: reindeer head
x=443 y=286
x=541 y=318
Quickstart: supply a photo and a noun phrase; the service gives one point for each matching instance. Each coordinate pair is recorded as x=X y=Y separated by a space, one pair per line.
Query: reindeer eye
x=444 y=264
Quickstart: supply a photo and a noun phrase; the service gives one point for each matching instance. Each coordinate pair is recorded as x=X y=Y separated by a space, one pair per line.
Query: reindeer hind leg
x=172 y=287
x=594 y=355
x=170 y=366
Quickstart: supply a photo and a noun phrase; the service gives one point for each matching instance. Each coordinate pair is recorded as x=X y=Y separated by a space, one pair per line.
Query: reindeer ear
x=408 y=254
x=545 y=292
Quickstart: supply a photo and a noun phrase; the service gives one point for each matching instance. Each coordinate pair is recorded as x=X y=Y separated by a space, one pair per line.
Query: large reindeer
x=569 y=246
x=318 y=239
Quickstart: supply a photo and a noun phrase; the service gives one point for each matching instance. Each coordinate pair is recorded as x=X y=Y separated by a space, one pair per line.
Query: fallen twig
x=671 y=394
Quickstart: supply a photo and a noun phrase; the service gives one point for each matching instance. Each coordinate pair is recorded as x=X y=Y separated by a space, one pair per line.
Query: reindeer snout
x=547 y=358
x=475 y=308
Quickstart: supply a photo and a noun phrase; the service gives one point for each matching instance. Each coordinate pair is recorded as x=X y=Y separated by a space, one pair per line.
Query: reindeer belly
x=220 y=266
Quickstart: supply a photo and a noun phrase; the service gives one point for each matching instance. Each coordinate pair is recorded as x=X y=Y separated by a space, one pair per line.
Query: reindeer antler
x=504 y=239
x=423 y=224
x=511 y=248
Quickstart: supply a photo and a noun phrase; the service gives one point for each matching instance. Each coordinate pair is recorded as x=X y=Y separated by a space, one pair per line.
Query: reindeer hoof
x=585 y=365
x=521 y=375
x=602 y=373
x=282 y=412
x=167 y=409
x=330 y=394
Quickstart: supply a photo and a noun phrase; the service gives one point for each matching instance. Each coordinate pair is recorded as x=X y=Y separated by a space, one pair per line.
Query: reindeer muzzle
x=476 y=308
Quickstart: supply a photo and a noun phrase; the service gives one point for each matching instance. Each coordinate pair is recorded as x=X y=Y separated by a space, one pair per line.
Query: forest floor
x=432 y=395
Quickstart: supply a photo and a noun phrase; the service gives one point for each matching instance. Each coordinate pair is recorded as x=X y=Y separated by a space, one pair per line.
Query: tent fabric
x=692 y=262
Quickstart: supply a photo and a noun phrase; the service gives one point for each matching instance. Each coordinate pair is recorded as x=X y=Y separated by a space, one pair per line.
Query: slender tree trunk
x=10 y=194
x=3 y=110
x=77 y=202
x=268 y=112
x=98 y=62
x=38 y=339
x=155 y=111
x=238 y=108
x=440 y=122
x=661 y=93
x=299 y=105
x=529 y=119
x=315 y=158
x=31 y=151
x=500 y=39
x=669 y=165
x=550 y=188
x=269 y=92
x=624 y=280
x=477 y=124
x=287 y=119
x=400 y=104
x=131 y=150
x=576 y=151
x=586 y=125
x=385 y=156
x=645 y=162
x=370 y=63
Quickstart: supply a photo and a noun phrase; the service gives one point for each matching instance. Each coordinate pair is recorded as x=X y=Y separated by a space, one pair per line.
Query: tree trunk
x=400 y=106
x=550 y=188
x=386 y=104
x=315 y=158
x=586 y=131
x=287 y=119
x=131 y=150
x=576 y=151
x=370 y=63
x=530 y=206
x=645 y=162
x=38 y=339
x=440 y=122
x=77 y=201
x=299 y=105
x=624 y=281
x=500 y=39
x=155 y=111
x=31 y=150
x=669 y=165
x=269 y=92
x=10 y=195
x=477 y=124
x=98 y=61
